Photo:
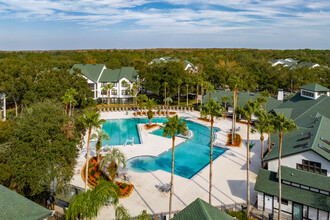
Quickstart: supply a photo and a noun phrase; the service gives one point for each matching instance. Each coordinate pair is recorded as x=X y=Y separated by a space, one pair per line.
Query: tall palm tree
x=150 y=104
x=225 y=99
x=173 y=126
x=262 y=127
x=188 y=81
x=202 y=75
x=108 y=89
x=168 y=100
x=100 y=136
x=269 y=122
x=87 y=204
x=234 y=82
x=197 y=81
x=209 y=88
x=282 y=125
x=250 y=108
x=90 y=120
x=165 y=85
x=141 y=100
x=71 y=93
x=113 y=160
x=261 y=100
x=214 y=110
x=179 y=84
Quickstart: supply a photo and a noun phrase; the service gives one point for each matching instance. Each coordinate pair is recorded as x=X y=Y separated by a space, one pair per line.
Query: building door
x=297 y=213
x=268 y=204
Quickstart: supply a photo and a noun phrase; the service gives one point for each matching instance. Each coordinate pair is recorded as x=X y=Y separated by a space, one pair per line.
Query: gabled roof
x=315 y=88
x=306 y=178
x=91 y=71
x=302 y=106
x=114 y=75
x=307 y=138
x=267 y=182
x=14 y=206
x=242 y=98
x=201 y=210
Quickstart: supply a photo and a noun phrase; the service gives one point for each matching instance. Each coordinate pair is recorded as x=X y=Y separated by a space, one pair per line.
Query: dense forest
x=41 y=138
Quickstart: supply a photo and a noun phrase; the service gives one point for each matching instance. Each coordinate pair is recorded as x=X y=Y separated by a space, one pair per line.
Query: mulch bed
x=204 y=119
x=152 y=126
x=237 y=141
x=95 y=174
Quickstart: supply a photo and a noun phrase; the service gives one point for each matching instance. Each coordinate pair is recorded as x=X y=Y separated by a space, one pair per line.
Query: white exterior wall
x=119 y=89
x=291 y=161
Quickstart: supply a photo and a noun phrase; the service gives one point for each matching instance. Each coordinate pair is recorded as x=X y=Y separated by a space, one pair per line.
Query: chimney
x=280 y=95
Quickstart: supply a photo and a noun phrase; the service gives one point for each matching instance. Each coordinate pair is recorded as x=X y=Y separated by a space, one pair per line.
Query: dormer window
x=308 y=94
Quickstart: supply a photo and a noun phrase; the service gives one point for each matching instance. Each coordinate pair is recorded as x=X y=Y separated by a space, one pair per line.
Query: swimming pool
x=190 y=156
x=120 y=130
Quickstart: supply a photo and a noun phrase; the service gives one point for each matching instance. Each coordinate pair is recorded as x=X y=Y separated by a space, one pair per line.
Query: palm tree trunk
x=149 y=122
x=87 y=158
x=211 y=162
x=209 y=95
x=233 y=127
x=262 y=148
x=280 y=177
x=172 y=175
x=187 y=93
x=108 y=97
x=70 y=109
x=66 y=107
x=225 y=105
x=248 y=169
x=202 y=92
x=178 y=95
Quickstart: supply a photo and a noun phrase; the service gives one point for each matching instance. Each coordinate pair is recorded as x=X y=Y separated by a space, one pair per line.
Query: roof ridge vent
x=324 y=148
x=301 y=145
x=325 y=140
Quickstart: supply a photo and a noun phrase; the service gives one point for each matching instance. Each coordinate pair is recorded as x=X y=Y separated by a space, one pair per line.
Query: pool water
x=190 y=156
x=120 y=130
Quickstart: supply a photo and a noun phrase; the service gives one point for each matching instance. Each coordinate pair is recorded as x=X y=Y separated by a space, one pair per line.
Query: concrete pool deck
x=229 y=171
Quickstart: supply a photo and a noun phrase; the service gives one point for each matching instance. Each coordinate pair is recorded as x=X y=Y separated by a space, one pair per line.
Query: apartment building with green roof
x=305 y=159
x=98 y=76
x=188 y=66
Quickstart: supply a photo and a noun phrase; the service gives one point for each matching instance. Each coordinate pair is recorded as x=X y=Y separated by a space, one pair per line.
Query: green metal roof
x=306 y=178
x=114 y=75
x=69 y=192
x=201 y=210
x=16 y=207
x=307 y=138
x=267 y=182
x=315 y=88
x=242 y=98
x=91 y=71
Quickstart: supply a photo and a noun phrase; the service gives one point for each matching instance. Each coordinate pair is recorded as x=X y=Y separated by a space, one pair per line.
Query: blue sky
x=107 y=24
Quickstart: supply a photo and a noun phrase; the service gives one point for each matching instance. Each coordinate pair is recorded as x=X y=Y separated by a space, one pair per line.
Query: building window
x=114 y=84
x=124 y=84
x=309 y=94
x=114 y=92
x=124 y=92
x=322 y=93
x=103 y=84
x=311 y=166
x=284 y=202
x=91 y=86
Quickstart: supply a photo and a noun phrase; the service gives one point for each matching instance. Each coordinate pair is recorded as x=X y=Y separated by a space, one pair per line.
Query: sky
x=139 y=24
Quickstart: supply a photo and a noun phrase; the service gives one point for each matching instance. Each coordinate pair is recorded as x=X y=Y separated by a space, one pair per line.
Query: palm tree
x=225 y=99
x=188 y=81
x=108 y=89
x=282 y=125
x=90 y=120
x=100 y=135
x=247 y=111
x=269 y=122
x=214 y=110
x=209 y=88
x=141 y=100
x=168 y=100
x=87 y=204
x=234 y=82
x=197 y=81
x=262 y=100
x=202 y=75
x=122 y=213
x=173 y=126
x=113 y=160
x=165 y=84
x=262 y=127
x=266 y=95
x=71 y=93
x=150 y=104
x=179 y=84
